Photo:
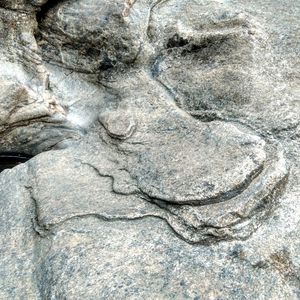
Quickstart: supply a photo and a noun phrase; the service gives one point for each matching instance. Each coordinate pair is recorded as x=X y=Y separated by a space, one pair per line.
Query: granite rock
x=166 y=144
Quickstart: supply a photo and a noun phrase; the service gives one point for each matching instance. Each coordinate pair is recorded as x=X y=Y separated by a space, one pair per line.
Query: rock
x=165 y=137
x=19 y=240
x=119 y=124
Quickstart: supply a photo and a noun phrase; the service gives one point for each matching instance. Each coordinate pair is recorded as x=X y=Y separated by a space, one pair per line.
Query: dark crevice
x=9 y=160
x=205 y=116
x=44 y=9
x=107 y=64
x=176 y=41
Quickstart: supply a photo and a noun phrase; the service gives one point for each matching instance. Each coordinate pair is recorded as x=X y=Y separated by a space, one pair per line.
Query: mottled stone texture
x=166 y=139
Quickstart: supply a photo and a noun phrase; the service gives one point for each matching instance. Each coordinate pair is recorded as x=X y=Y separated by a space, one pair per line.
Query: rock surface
x=166 y=144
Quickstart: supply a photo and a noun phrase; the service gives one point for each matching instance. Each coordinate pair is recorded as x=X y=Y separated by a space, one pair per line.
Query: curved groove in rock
x=224 y=221
x=221 y=197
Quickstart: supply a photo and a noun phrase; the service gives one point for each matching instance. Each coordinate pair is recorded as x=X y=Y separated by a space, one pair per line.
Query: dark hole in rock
x=106 y=64
x=9 y=160
x=176 y=41
x=46 y=8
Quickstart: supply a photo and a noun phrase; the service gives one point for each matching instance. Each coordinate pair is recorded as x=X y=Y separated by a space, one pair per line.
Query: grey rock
x=119 y=124
x=166 y=144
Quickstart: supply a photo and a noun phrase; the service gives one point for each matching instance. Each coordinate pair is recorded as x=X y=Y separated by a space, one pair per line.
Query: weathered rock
x=119 y=124
x=166 y=135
